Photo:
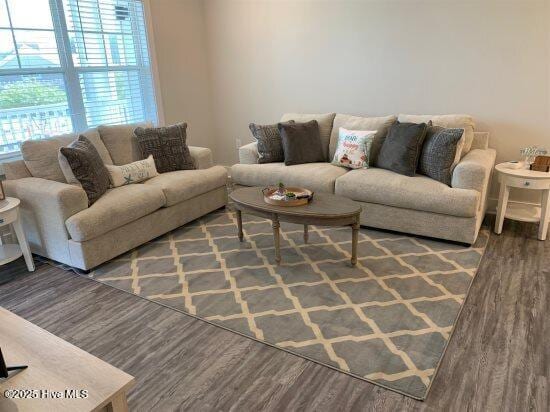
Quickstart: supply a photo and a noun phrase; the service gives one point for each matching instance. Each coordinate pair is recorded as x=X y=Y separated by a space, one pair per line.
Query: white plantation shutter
x=66 y=65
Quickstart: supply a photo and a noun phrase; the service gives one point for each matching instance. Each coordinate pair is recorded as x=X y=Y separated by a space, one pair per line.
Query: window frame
x=70 y=72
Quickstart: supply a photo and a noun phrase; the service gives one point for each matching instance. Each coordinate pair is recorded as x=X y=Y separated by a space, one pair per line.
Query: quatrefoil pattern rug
x=388 y=320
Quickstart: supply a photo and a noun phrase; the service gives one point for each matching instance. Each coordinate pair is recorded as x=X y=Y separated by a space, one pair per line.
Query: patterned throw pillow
x=87 y=167
x=353 y=148
x=134 y=172
x=270 y=144
x=167 y=145
x=441 y=152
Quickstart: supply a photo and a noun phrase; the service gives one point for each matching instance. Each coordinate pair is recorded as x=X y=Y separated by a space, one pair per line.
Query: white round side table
x=523 y=179
x=9 y=214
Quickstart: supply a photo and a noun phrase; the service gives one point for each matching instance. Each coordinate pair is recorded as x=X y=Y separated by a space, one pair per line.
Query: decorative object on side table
x=9 y=214
x=541 y=164
x=531 y=152
x=523 y=179
x=2 y=194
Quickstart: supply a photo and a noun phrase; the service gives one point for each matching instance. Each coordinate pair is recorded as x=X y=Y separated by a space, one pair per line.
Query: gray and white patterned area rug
x=387 y=321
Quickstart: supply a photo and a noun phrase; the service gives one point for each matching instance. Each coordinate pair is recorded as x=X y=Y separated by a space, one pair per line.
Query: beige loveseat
x=417 y=205
x=60 y=225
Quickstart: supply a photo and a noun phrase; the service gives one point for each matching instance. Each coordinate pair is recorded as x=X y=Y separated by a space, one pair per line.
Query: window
x=67 y=65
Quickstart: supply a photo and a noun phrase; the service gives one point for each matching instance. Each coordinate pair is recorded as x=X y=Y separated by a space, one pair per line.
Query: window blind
x=86 y=62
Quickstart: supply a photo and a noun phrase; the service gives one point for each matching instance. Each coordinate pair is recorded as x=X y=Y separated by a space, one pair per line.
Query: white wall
x=490 y=59
x=179 y=45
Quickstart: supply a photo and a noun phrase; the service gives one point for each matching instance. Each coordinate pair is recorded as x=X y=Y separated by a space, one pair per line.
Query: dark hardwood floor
x=498 y=358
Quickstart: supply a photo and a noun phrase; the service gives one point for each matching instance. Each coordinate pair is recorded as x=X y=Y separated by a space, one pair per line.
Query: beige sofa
x=417 y=205
x=60 y=225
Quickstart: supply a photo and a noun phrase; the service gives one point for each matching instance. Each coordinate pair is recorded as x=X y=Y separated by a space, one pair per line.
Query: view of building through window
x=70 y=65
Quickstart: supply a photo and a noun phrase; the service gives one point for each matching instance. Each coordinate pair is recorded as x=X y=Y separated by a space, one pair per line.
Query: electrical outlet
x=238 y=143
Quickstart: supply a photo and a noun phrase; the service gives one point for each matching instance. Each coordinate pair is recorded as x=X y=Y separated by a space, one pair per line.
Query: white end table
x=9 y=214
x=523 y=179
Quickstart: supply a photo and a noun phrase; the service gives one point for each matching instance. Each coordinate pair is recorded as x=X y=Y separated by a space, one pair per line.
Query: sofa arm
x=474 y=170
x=248 y=154
x=202 y=157
x=45 y=206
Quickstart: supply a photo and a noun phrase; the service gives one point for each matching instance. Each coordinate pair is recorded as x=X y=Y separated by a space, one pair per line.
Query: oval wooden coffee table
x=324 y=210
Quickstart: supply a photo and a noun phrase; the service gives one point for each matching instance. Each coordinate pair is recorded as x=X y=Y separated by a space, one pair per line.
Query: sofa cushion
x=402 y=147
x=185 y=184
x=325 y=126
x=121 y=142
x=168 y=145
x=417 y=193
x=319 y=177
x=41 y=156
x=449 y=121
x=440 y=153
x=114 y=209
x=380 y=124
x=132 y=173
x=353 y=149
x=270 y=143
x=87 y=167
x=301 y=142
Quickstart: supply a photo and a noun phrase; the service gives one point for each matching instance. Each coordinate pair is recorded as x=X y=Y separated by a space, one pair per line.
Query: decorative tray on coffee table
x=287 y=196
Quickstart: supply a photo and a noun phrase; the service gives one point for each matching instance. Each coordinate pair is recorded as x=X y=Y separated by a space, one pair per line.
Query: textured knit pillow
x=167 y=145
x=353 y=148
x=441 y=152
x=270 y=144
x=87 y=167
x=449 y=121
x=134 y=172
x=301 y=142
x=402 y=147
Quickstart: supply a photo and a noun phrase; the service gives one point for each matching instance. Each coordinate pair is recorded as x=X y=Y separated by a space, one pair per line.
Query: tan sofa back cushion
x=361 y=123
x=325 y=125
x=121 y=142
x=41 y=156
x=462 y=121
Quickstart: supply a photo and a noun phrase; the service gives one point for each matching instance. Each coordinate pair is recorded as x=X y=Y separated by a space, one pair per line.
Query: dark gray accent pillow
x=439 y=155
x=168 y=145
x=402 y=147
x=301 y=142
x=270 y=144
x=378 y=141
x=87 y=167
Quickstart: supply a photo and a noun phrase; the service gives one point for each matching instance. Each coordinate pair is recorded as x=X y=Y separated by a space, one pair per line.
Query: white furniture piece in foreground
x=523 y=179
x=60 y=377
x=9 y=214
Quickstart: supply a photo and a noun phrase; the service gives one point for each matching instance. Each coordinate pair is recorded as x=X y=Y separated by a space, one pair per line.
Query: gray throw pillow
x=270 y=144
x=439 y=153
x=87 y=167
x=402 y=147
x=378 y=141
x=168 y=145
x=301 y=142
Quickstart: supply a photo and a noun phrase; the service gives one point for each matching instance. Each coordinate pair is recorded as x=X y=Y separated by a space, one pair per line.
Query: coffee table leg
x=240 y=225
x=354 y=240
x=276 y=227
x=306 y=233
x=118 y=404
